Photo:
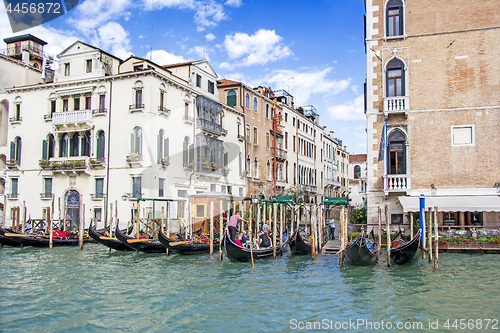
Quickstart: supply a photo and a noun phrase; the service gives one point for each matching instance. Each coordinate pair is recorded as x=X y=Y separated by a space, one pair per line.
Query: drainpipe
x=108 y=155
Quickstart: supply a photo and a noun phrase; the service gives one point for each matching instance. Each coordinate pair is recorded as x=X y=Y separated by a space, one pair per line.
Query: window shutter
x=12 y=150
x=166 y=147
x=44 y=150
x=100 y=145
x=191 y=153
x=158 y=148
x=132 y=143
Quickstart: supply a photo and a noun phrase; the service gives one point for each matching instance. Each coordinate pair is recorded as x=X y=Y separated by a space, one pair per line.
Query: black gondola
x=299 y=245
x=402 y=251
x=358 y=252
x=6 y=240
x=186 y=247
x=42 y=241
x=111 y=242
x=242 y=254
x=148 y=246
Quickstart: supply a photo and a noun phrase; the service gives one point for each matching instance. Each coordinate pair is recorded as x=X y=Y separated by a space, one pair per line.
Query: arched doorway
x=72 y=208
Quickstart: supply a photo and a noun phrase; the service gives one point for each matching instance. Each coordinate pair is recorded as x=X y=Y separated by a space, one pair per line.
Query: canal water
x=95 y=290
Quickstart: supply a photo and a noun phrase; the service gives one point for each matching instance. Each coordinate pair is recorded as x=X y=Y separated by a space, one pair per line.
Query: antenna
x=151 y=44
x=205 y=33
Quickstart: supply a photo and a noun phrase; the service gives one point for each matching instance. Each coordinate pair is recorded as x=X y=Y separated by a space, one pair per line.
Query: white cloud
x=210 y=37
x=303 y=84
x=91 y=14
x=233 y=3
x=162 y=57
x=200 y=51
x=113 y=38
x=350 y=110
x=208 y=14
x=258 y=49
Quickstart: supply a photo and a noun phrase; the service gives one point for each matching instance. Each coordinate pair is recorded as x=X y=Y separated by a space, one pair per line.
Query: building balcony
x=397 y=104
x=134 y=158
x=164 y=111
x=96 y=163
x=136 y=108
x=188 y=119
x=12 y=196
x=81 y=119
x=45 y=195
x=15 y=120
x=209 y=126
x=241 y=138
x=99 y=112
x=65 y=164
x=397 y=183
x=224 y=131
x=281 y=154
x=97 y=196
x=331 y=183
x=12 y=164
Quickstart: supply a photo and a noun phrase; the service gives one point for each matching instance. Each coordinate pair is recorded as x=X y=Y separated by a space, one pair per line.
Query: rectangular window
x=52 y=107
x=186 y=110
x=241 y=191
x=138 y=97
x=267 y=140
x=99 y=187
x=213 y=187
x=396 y=218
x=65 y=104
x=102 y=102
x=394 y=22
x=286 y=117
x=286 y=140
x=89 y=66
x=162 y=97
x=47 y=187
x=395 y=82
x=136 y=187
x=66 y=69
x=14 y=187
x=229 y=189
x=76 y=104
x=248 y=133
x=463 y=135
x=294 y=143
x=161 y=187
x=293 y=121
x=138 y=68
x=97 y=214
x=88 y=103
x=255 y=135
x=449 y=218
x=198 y=80
x=211 y=87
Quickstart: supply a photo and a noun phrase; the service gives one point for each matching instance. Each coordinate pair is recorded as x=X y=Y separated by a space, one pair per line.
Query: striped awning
x=454 y=203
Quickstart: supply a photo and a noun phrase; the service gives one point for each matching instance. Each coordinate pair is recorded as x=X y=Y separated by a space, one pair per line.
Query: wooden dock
x=332 y=246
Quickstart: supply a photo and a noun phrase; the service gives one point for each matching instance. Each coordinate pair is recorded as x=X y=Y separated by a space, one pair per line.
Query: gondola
x=358 y=252
x=42 y=241
x=146 y=245
x=186 y=247
x=402 y=251
x=300 y=245
x=111 y=242
x=242 y=254
x=6 y=240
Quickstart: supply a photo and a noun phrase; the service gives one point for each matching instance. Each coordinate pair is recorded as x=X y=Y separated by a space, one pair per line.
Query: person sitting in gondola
x=244 y=237
x=238 y=240
x=265 y=226
x=264 y=240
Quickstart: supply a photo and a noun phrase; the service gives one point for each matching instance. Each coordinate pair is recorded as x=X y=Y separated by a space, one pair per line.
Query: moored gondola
x=6 y=240
x=187 y=246
x=362 y=251
x=111 y=242
x=242 y=254
x=143 y=245
x=42 y=240
x=402 y=251
x=300 y=245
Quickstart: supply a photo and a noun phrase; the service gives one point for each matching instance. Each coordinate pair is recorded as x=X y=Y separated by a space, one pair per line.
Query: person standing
x=232 y=225
x=331 y=223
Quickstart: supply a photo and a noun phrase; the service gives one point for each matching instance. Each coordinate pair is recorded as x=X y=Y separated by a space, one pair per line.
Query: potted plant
x=225 y=170
x=133 y=157
x=190 y=165
x=44 y=163
x=165 y=161
x=214 y=166
x=206 y=163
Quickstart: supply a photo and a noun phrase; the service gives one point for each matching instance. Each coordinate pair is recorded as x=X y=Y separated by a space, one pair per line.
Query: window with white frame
x=394 y=18
x=463 y=135
x=255 y=142
x=136 y=141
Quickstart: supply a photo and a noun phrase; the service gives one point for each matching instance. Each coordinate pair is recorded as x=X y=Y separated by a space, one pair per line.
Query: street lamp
x=433 y=189
x=261 y=188
x=124 y=197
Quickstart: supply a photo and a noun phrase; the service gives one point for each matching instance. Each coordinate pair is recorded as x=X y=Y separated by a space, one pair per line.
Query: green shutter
x=44 y=150
x=191 y=153
x=158 y=148
x=166 y=147
x=132 y=143
x=12 y=150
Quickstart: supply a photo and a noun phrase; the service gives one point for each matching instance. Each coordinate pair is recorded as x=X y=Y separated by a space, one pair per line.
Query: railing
x=240 y=137
x=331 y=183
x=135 y=195
x=99 y=111
x=280 y=154
x=135 y=107
x=163 y=110
x=15 y=119
x=71 y=117
x=46 y=195
x=224 y=131
x=96 y=196
x=12 y=164
x=134 y=159
x=12 y=195
x=396 y=104
x=188 y=119
x=209 y=126
x=397 y=183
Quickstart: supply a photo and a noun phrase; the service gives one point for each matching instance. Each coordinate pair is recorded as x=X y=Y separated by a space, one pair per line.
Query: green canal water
x=95 y=290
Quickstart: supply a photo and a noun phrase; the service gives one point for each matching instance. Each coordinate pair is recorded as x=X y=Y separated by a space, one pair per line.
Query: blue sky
x=313 y=49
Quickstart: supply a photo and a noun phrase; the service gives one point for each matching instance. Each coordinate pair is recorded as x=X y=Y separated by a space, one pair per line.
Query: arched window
x=397 y=153
x=136 y=141
x=247 y=100
x=48 y=147
x=101 y=144
x=255 y=104
x=395 y=82
x=85 y=144
x=248 y=165
x=394 y=18
x=162 y=147
x=64 y=146
x=231 y=98
x=268 y=171
x=357 y=172
x=73 y=144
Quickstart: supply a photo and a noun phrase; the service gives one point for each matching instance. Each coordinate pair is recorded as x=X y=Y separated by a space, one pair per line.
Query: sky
x=312 y=49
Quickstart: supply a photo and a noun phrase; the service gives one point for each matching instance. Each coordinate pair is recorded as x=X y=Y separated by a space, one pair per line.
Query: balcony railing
x=72 y=117
x=164 y=111
x=280 y=154
x=224 y=131
x=12 y=195
x=331 y=183
x=188 y=119
x=209 y=126
x=240 y=137
x=398 y=104
x=97 y=112
x=46 y=195
x=96 y=196
x=397 y=183
x=15 y=119
x=136 y=107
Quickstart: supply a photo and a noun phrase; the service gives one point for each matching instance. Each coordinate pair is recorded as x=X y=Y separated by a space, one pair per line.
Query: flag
x=381 y=152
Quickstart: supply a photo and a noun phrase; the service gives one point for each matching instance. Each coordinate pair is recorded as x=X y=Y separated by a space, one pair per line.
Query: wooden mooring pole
x=430 y=235
x=343 y=241
x=436 y=239
x=49 y=221
x=81 y=226
x=312 y=222
x=221 y=229
x=250 y=235
x=379 y=230
x=211 y=227
x=275 y=216
x=388 y=241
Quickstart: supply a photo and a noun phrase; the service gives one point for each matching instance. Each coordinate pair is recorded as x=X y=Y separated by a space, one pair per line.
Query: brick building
x=433 y=77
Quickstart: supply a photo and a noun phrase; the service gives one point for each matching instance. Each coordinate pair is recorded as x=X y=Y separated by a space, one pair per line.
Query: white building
x=357 y=180
x=108 y=130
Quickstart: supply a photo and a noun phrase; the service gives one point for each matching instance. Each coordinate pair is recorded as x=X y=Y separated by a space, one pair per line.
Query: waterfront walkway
x=332 y=246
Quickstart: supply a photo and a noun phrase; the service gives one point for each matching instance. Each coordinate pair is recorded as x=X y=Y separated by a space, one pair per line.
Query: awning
x=454 y=203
